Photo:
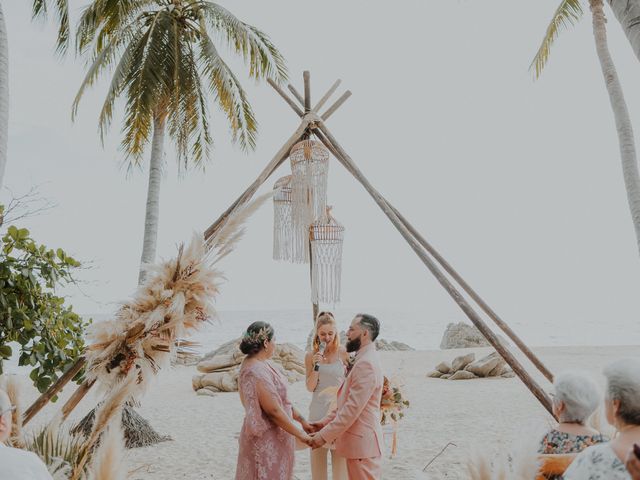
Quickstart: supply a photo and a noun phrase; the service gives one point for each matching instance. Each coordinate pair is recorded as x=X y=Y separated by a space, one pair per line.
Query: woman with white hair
x=622 y=404
x=575 y=398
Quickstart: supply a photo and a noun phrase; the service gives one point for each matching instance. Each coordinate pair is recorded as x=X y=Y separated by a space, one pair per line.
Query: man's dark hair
x=371 y=323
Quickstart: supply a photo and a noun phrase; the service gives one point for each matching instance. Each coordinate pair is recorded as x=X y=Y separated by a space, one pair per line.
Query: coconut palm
x=628 y=12
x=40 y=9
x=568 y=13
x=166 y=64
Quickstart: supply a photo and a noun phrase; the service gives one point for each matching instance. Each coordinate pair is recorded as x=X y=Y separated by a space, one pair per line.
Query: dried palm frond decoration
x=309 y=168
x=326 y=236
x=282 y=220
x=176 y=299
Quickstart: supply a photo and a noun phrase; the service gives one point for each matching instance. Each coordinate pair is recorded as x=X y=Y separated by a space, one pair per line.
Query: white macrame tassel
x=309 y=168
x=327 y=237
x=282 y=226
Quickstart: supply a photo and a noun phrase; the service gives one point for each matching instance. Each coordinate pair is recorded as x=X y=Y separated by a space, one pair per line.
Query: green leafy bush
x=49 y=333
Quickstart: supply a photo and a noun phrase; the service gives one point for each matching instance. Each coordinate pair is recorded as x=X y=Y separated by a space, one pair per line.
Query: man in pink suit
x=355 y=424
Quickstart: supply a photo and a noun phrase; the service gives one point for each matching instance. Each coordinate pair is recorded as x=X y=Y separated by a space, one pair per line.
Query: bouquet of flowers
x=392 y=403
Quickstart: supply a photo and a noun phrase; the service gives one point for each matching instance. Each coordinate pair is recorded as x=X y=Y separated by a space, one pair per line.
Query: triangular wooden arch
x=314 y=122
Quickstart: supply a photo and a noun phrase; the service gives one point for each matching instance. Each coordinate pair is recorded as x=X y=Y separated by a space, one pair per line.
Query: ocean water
x=411 y=327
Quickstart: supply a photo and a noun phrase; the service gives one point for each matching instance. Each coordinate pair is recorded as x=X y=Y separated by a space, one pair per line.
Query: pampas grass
x=522 y=463
x=175 y=300
x=10 y=385
x=107 y=413
x=108 y=459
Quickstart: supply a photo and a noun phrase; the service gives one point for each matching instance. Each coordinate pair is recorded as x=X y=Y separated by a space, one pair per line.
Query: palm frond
x=230 y=95
x=57 y=448
x=567 y=14
x=40 y=10
x=264 y=59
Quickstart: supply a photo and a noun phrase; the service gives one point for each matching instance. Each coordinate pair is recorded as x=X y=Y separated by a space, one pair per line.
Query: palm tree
x=568 y=13
x=167 y=65
x=628 y=12
x=40 y=9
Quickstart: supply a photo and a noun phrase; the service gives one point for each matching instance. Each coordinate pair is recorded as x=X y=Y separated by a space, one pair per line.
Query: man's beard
x=353 y=345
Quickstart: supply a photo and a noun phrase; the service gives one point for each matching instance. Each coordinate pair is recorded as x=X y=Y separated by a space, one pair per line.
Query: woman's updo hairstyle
x=253 y=339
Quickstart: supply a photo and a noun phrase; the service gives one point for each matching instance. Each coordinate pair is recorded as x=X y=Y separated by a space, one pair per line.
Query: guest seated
x=16 y=464
x=622 y=404
x=575 y=398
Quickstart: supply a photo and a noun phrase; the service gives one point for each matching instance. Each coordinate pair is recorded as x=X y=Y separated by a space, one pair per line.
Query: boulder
x=483 y=366
x=462 y=361
x=462 y=375
x=500 y=369
x=221 y=367
x=218 y=362
x=222 y=381
x=508 y=374
x=445 y=376
x=435 y=374
x=206 y=392
x=462 y=335
x=443 y=367
x=392 y=346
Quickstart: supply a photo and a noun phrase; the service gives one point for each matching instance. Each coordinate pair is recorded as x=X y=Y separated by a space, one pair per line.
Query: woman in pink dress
x=267 y=438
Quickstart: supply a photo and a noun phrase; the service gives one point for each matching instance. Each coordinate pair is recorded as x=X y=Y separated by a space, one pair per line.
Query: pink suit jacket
x=355 y=424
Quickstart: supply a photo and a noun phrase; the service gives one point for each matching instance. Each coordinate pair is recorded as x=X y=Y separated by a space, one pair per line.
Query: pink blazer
x=355 y=424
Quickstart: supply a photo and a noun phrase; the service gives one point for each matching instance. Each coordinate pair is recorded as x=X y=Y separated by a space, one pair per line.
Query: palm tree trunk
x=628 y=14
x=4 y=95
x=620 y=113
x=152 y=213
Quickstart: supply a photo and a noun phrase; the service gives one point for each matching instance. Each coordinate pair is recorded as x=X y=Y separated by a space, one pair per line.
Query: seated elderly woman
x=622 y=404
x=575 y=398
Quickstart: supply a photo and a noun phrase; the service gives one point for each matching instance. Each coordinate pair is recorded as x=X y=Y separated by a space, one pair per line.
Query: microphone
x=321 y=349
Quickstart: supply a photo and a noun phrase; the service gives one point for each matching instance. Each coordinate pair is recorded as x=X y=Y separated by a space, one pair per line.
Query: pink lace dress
x=266 y=451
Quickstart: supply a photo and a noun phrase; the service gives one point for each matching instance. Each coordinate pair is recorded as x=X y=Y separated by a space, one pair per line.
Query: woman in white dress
x=622 y=404
x=325 y=367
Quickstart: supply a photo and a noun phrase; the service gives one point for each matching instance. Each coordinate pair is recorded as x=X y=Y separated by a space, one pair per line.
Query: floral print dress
x=556 y=442
x=266 y=451
x=597 y=463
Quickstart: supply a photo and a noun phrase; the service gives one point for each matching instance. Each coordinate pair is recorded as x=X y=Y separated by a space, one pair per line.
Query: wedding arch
x=312 y=122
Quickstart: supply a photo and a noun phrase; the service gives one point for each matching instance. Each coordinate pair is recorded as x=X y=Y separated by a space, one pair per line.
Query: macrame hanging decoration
x=282 y=229
x=309 y=168
x=326 y=238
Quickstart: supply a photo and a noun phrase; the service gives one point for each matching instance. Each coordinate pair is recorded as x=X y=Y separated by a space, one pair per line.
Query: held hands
x=316 y=441
x=315 y=427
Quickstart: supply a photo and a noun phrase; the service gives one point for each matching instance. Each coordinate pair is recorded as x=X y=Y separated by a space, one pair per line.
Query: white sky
x=518 y=183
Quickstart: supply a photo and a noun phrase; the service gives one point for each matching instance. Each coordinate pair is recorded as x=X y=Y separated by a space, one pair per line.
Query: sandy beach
x=472 y=414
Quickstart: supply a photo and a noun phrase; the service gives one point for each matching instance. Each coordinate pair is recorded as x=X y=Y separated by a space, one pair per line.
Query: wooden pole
x=456 y=276
x=307 y=91
x=517 y=367
x=286 y=98
x=280 y=157
x=296 y=94
x=53 y=390
x=472 y=293
x=330 y=111
x=78 y=395
x=326 y=96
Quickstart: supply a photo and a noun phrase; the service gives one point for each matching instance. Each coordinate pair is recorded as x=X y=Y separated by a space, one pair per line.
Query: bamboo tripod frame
x=416 y=241
x=313 y=122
